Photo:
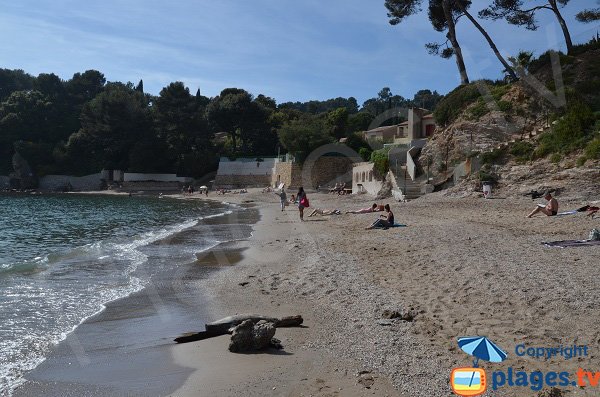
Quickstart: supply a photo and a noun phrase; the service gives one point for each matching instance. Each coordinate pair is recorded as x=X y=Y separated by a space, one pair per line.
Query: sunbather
x=384 y=223
x=550 y=209
x=374 y=208
x=323 y=212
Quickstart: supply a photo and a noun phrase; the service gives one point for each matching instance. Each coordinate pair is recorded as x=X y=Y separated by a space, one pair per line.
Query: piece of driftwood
x=225 y=326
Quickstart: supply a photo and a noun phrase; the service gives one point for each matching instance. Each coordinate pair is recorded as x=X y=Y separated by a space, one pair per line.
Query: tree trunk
x=460 y=63
x=508 y=68
x=563 y=26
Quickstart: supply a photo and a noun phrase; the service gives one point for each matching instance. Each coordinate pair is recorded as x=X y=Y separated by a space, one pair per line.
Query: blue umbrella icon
x=482 y=349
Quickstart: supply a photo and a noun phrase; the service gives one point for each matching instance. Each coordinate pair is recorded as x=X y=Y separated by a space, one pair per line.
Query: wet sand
x=126 y=349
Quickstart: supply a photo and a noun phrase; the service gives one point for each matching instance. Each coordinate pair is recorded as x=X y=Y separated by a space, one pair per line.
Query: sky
x=288 y=50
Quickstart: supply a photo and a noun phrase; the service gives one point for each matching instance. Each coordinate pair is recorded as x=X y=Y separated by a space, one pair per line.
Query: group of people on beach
x=385 y=220
x=301 y=200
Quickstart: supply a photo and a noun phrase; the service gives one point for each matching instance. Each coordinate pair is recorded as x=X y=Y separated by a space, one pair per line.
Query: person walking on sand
x=550 y=209
x=302 y=202
x=384 y=223
x=282 y=198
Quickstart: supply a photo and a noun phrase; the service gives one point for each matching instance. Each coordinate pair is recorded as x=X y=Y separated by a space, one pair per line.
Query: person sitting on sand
x=384 y=223
x=325 y=212
x=550 y=209
x=374 y=208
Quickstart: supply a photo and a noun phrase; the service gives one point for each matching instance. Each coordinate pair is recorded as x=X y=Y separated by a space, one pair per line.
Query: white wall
x=135 y=177
x=246 y=166
x=370 y=184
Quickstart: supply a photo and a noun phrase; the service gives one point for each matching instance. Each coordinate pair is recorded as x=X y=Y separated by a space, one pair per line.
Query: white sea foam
x=28 y=346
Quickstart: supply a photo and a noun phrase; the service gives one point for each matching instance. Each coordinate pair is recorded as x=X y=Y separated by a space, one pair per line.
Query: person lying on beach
x=374 y=208
x=325 y=212
x=384 y=223
x=550 y=209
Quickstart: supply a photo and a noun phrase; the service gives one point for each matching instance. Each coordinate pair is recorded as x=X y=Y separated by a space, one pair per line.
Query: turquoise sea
x=64 y=257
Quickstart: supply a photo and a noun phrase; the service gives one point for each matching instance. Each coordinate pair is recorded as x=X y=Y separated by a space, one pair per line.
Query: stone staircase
x=404 y=188
x=527 y=135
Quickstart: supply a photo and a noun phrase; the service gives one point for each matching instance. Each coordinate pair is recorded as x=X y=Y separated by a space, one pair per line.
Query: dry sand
x=466 y=266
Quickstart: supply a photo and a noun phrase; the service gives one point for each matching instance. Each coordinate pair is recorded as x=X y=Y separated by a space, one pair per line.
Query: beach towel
x=571 y=243
x=573 y=212
x=394 y=225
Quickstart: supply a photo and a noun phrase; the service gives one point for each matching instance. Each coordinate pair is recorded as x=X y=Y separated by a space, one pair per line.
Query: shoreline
x=465 y=266
x=115 y=351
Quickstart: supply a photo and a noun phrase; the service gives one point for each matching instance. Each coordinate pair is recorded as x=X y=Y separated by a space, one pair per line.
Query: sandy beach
x=462 y=266
x=465 y=266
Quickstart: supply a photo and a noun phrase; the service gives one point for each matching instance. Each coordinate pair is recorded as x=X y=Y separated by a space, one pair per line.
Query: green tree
x=427 y=99
x=398 y=10
x=245 y=120
x=443 y=15
x=303 y=135
x=360 y=121
x=337 y=122
x=517 y=13
x=590 y=15
x=180 y=122
x=111 y=124
x=14 y=80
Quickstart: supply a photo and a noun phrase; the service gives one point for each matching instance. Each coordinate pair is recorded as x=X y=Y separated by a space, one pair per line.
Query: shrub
x=592 y=150
x=505 y=106
x=581 y=161
x=478 y=110
x=521 y=150
x=452 y=104
x=570 y=132
x=555 y=158
x=365 y=153
x=492 y=157
x=499 y=91
x=381 y=162
x=486 y=175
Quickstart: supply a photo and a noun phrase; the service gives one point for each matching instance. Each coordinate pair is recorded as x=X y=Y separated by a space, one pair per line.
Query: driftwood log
x=225 y=326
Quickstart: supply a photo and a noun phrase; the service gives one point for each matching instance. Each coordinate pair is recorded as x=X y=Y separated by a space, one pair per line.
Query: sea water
x=63 y=257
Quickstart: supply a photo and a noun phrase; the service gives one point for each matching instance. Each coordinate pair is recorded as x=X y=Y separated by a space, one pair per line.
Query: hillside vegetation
x=523 y=124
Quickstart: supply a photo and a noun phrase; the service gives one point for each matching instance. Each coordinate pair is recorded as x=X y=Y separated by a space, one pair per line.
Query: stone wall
x=288 y=173
x=71 y=183
x=324 y=172
x=327 y=171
